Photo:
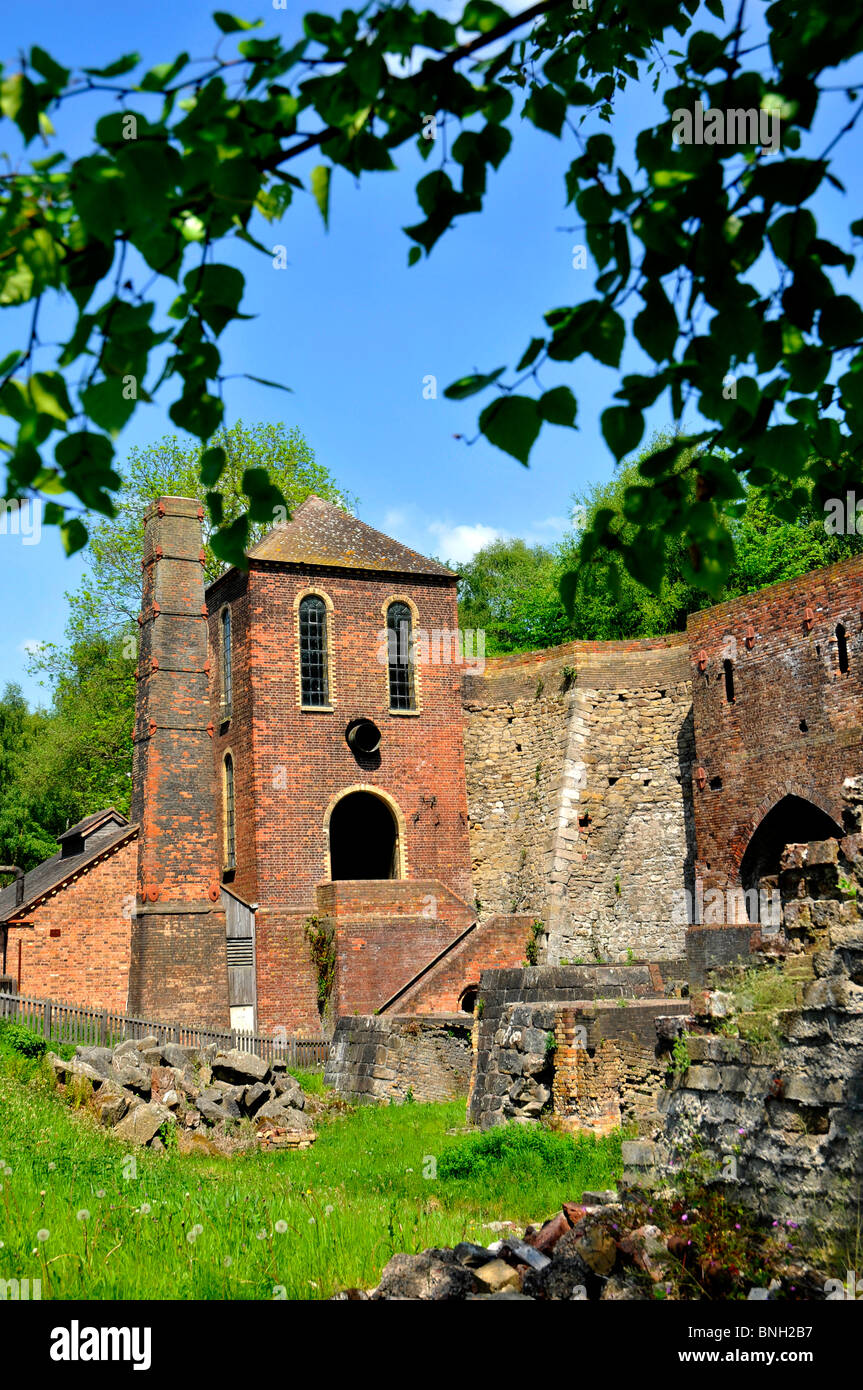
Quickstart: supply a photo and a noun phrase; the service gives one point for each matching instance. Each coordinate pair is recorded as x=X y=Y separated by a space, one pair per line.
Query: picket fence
x=73 y=1023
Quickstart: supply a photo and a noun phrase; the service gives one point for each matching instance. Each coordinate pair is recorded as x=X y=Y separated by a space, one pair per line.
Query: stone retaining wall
x=387 y=1058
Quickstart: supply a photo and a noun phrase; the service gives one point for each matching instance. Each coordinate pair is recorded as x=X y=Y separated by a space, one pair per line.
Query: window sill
x=317 y=709
x=405 y=713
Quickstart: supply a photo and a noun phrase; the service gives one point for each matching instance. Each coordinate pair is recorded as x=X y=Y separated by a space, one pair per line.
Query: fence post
x=103 y=1027
x=46 y=1020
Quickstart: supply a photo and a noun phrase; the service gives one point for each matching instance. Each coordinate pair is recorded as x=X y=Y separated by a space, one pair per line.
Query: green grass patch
x=124 y=1224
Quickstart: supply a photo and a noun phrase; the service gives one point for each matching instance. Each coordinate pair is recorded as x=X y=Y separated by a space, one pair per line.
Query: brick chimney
x=179 y=964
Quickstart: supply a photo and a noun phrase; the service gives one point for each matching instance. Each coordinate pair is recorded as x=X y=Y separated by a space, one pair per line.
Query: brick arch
x=397 y=814
x=743 y=832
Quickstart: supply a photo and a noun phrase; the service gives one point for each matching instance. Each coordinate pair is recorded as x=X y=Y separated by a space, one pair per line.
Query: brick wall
x=494 y=944
x=794 y=726
x=76 y=945
x=178 y=967
x=292 y=765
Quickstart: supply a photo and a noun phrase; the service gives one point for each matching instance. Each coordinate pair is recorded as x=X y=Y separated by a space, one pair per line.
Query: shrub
x=18 y=1038
x=524 y=1151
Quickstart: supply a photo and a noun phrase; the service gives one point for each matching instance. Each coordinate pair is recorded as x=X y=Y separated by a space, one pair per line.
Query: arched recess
x=791 y=820
x=365 y=835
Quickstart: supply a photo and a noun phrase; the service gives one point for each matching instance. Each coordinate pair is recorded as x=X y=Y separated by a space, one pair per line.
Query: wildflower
x=227 y=1262
x=328 y=1210
x=282 y=1226
x=312 y=1221
x=192 y=1235
x=684 y=1217
x=42 y=1235
x=262 y=1235
x=51 y=1167
x=83 y=1214
x=101 y=1192
x=145 y=1208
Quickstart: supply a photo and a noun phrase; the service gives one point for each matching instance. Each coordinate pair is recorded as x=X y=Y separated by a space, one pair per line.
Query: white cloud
x=460 y=543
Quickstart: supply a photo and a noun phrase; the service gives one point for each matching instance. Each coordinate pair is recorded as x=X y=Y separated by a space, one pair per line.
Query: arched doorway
x=792 y=821
x=364 y=840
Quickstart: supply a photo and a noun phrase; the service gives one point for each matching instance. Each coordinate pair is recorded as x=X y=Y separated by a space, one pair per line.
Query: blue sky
x=354 y=332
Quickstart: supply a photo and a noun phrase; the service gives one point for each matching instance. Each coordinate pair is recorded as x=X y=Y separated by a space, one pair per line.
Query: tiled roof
x=89 y=823
x=51 y=872
x=322 y=534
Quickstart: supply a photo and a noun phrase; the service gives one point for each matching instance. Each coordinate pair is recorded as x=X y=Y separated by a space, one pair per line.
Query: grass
x=290 y=1224
x=760 y=994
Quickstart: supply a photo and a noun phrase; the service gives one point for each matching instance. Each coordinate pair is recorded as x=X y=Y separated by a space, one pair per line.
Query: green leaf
x=482 y=15
x=107 y=404
x=74 y=535
x=469 y=385
x=18 y=101
x=232 y=24
x=512 y=423
x=656 y=327
x=414 y=255
x=320 y=181
x=216 y=290
x=263 y=381
x=530 y=354
x=44 y=64
x=212 y=465
x=622 y=428
x=841 y=322
x=558 y=406
x=197 y=412
x=546 y=107
x=118 y=68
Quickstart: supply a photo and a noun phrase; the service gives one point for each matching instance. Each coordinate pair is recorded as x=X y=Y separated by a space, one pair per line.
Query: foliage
x=60 y=765
x=322 y=945
x=759 y=996
x=527 y=1151
x=27 y=830
x=680 y=1058
x=534 y=932
x=522 y=607
x=20 y=1039
x=298 y=1224
x=188 y=154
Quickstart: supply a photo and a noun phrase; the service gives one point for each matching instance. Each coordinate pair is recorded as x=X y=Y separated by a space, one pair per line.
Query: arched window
x=230 y=821
x=842 y=647
x=728 y=669
x=400 y=656
x=314 y=684
x=226 y=663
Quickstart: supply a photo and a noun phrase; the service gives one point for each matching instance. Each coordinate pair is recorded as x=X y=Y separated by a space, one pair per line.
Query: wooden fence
x=72 y=1023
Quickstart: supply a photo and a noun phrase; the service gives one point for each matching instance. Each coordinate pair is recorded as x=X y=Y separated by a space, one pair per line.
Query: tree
x=24 y=840
x=514 y=591
x=107 y=603
x=189 y=153
x=509 y=590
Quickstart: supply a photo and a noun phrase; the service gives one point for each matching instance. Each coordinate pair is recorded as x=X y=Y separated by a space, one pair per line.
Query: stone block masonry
x=784 y=1121
x=576 y=1041
x=579 y=766
x=383 y=1059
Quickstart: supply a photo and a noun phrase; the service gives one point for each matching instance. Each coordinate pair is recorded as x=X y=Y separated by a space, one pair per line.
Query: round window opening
x=363 y=737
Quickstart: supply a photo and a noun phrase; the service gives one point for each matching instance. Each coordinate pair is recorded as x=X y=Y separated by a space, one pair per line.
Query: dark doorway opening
x=363 y=838
x=467 y=999
x=792 y=821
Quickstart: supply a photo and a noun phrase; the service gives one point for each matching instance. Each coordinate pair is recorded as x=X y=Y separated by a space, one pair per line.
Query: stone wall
x=383 y=1059
x=578 y=1040
x=785 y=1122
x=579 y=768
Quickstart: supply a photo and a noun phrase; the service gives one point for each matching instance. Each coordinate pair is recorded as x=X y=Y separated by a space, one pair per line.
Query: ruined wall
x=787 y=722
x=382 y=1059
x=784 y=1122
x=578 y=765
x=609 y=1010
